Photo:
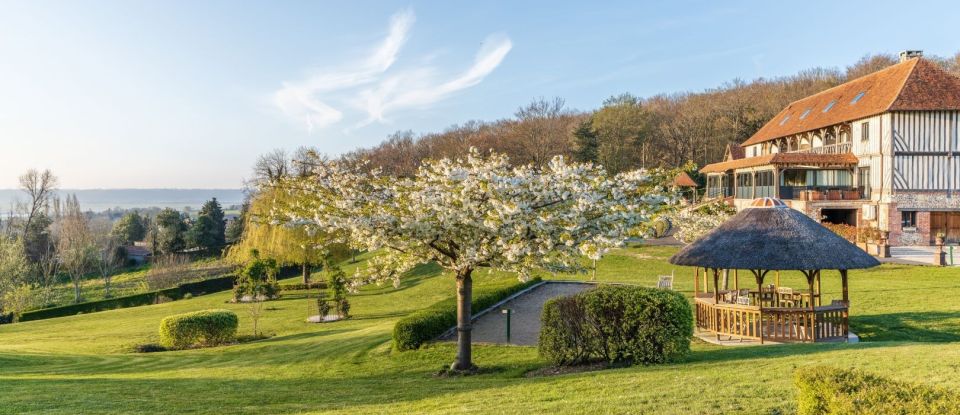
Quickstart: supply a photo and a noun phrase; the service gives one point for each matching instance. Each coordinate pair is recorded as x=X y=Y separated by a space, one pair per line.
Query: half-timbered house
x=879 y=151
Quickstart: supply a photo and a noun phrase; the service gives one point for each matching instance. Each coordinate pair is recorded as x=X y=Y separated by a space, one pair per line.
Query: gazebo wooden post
x=819 y=290
x=811 y=274
x=777 y=283
x=716 y=301
x=843 y=283
x=716 y=287
x=696 y=282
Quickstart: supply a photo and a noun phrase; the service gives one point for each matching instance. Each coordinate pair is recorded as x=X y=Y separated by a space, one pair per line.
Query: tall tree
x=620 y=126
x=130 y=228
x=169 y=229
x=40 y=188
x=586 y=142
x=108 y=251
x=76 y=246
x=217 y=229
x=474 y=213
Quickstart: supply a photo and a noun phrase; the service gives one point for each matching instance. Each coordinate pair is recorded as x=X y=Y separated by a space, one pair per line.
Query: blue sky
x=116 y=94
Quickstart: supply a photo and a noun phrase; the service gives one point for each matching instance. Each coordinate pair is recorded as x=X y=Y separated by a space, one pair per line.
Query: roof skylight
x=857 y=98
x=784 y=121
x=830 y=105
x=805 y=113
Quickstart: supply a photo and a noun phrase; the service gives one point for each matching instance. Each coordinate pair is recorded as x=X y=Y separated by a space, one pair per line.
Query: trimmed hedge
x=152 y=297
x=199 y=328
x=617 y=324
x=299 y=286
x=422 y=326
x=824 y=390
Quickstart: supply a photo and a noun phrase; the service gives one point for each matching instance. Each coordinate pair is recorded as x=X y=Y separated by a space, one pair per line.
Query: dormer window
x=785 y=119
x=805 y=113
x=830 y=105
x=857 y=98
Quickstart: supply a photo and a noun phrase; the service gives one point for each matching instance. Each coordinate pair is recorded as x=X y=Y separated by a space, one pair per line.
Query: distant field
x=908 y=317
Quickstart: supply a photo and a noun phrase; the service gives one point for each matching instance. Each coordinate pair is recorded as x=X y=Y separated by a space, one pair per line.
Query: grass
x=127 y=281
x=908 y=317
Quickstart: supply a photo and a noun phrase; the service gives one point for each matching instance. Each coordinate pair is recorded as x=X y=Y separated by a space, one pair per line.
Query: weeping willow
x=288 y=245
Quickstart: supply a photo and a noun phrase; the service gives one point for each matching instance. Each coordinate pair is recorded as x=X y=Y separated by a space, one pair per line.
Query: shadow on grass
x=925 y=326
x=416 y=276
x=732 y=353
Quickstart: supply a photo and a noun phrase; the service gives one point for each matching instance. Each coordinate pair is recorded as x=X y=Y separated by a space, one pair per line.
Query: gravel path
x=525 y=319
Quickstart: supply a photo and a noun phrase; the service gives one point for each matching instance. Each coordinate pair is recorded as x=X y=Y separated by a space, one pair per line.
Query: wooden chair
x=665 y=282
x=785 y=297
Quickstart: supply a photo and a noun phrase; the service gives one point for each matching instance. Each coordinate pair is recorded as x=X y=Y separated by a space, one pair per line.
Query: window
x=785 y=119
x=805 y=113
x=865 y=131
x=830 y=105
x=764 y=182
x=863 y=180
x=908 y=219
x=857 y=98
x=744 y=185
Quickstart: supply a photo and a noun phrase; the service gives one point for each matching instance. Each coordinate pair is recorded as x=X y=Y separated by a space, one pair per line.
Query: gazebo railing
x=778 y=324
x=729 y=319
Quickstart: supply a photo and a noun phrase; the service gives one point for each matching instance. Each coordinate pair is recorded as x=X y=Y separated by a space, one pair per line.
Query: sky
x=186 y=94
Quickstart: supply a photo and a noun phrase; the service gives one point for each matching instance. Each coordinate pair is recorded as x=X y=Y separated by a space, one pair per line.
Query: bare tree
x=40 y=187
x=108 y=257
x=271 y=167
x=75 y=246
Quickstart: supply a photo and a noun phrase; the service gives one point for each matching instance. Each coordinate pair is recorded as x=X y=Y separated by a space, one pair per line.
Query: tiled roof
x=844 y=159
x=735 y=152
x=915 y=84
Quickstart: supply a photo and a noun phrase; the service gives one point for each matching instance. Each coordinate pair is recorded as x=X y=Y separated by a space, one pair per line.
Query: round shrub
x=617 y=324
x=200 y=328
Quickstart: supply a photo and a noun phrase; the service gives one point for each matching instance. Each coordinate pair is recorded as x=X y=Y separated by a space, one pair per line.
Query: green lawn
x=908 y=317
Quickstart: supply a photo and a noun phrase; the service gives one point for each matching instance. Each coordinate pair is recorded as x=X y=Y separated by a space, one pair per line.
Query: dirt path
x=525 y=318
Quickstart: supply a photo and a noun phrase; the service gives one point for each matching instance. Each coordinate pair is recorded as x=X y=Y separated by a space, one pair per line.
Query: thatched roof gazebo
x=770 y=236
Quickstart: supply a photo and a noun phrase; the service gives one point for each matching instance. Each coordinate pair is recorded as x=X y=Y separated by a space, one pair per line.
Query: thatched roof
x=772 y=236
x=683 y=180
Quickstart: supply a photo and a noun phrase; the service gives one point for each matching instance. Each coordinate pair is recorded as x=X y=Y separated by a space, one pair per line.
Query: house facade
x=879 y=151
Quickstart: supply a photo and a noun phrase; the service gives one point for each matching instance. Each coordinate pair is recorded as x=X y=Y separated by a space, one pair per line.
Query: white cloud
x=371 y=89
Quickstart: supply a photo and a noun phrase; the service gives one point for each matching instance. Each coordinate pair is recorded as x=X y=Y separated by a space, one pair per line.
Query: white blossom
x=475 y=212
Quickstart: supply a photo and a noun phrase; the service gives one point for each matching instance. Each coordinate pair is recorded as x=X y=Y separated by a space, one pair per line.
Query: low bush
x=418 y=328
x=151 y=297
x=618 y=324
x=199 y=328
x=824 y=390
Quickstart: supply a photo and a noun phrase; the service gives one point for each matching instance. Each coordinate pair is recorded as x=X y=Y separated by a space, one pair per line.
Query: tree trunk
x=464 y=300
x=76 y=290
x=305 y=271
x=106 y=287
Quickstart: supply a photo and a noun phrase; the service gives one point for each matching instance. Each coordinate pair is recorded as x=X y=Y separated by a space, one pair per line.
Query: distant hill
x=99 y=200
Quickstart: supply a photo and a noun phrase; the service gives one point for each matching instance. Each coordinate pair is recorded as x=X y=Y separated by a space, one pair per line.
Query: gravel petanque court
x=525 y=318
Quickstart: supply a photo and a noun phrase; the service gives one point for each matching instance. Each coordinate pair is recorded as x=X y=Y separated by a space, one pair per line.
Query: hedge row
x=617 y=324
x=418 y=328
x=199 y=328
x=824 y=390
x=299 y=286
x=152 y=297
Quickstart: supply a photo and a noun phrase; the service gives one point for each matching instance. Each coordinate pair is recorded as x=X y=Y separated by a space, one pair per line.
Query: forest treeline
x=628 y=132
